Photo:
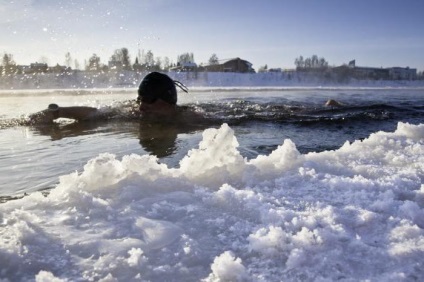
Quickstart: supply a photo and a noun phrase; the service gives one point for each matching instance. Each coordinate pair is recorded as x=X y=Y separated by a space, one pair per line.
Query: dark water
x=312 y=125
x=34 y=156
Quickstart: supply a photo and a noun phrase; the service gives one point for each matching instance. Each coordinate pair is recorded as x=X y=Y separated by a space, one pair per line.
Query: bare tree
x=76 y=64
x=9 y=65
x=93 y=63
x=323 y=63
x=314 y=61
x=213 y=60
x=149 y=59
x=122 y=56
x=44 y=60
x=310 y=63
x=68 y=59
x=7 y=60
x=126 y=59
x=185 y=58
x=166 y=63
x=299 y=62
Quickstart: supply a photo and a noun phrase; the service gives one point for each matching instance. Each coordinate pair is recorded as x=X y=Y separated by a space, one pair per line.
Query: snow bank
x=351 y=214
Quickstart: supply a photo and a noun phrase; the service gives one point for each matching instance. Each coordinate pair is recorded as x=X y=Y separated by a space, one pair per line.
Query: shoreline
x=114 y=90
x=201 y=82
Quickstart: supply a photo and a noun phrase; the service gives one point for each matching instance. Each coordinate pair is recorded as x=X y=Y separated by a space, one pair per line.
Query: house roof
x=188 y=64
x=223 y=61
x=232 y=59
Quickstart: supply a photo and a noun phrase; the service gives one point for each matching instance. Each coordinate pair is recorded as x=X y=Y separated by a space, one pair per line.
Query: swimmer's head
x=156 y=86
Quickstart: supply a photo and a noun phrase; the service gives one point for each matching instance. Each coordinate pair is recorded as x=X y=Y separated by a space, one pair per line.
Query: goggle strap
x=181 y=86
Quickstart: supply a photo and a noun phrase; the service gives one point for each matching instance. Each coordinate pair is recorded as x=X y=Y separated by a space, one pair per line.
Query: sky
x=375 y=33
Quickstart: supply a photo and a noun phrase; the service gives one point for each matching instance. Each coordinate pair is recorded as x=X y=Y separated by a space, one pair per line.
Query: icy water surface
x=273 y=186
x=34 y=156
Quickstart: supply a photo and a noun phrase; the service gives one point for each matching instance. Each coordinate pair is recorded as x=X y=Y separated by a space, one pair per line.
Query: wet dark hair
x=158 y=85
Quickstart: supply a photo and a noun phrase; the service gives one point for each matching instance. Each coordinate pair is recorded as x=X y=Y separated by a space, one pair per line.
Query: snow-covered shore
x=88 y=80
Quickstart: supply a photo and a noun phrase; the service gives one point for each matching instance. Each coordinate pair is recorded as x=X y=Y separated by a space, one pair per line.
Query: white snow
x=352 y=214
x=227 y=268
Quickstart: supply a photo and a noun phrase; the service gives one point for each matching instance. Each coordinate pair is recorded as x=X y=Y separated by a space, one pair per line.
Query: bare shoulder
x=53 y=112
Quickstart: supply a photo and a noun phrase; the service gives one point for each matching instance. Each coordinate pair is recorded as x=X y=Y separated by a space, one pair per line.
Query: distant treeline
x=145 y=61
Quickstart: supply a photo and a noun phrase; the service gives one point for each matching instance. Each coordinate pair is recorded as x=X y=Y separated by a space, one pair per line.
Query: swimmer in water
x=157 y=95
x=159 y=119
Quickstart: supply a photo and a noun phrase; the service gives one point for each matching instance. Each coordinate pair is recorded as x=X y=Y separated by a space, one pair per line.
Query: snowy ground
x=351 y=214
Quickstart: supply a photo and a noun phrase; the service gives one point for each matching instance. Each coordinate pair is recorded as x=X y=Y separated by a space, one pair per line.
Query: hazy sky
x=378 y=33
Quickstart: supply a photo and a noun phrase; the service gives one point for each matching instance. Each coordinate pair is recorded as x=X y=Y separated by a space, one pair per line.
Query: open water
x=274 y=186
x=32 y=157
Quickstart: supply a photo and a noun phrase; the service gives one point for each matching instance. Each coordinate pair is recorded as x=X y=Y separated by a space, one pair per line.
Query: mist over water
x=275 y=186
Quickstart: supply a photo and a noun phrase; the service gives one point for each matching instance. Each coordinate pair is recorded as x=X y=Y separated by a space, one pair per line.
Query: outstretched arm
x=54 y=111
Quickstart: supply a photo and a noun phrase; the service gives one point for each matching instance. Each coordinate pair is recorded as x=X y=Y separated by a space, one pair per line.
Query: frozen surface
x=351 y=214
